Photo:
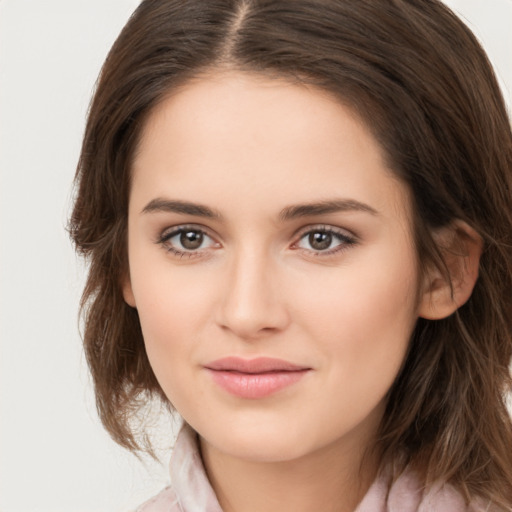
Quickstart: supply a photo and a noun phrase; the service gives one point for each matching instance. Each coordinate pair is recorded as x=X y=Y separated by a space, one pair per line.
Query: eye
x=186 y=241
x=324 y=241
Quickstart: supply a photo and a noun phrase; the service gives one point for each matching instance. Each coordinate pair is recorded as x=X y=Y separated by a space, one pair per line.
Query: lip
x=255 y=378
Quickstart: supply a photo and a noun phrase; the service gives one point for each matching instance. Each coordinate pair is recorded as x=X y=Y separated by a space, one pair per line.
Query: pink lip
x=254 y=378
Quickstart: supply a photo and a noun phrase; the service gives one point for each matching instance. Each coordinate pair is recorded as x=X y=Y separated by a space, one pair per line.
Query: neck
x=332 y=479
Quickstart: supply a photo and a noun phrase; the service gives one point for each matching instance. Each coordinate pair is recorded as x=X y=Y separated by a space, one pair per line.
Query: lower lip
x=255 y=385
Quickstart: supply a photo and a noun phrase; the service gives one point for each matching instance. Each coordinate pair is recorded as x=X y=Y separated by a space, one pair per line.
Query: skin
x=249 y=147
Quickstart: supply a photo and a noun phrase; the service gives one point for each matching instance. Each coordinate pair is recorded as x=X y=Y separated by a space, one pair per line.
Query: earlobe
x=128 y=295
x=461 y=248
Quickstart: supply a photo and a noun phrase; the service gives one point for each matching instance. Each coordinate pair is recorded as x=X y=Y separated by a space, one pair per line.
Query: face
x=272 y=265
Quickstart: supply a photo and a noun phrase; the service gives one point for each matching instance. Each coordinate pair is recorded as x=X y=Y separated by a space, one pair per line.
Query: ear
x=461 y=248
x=126 y=286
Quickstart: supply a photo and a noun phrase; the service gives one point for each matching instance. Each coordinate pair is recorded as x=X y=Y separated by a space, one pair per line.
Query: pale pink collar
x=191 y=491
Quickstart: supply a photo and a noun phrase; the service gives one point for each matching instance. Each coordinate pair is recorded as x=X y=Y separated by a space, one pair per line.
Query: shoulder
x=446 y=498
x=165 y=501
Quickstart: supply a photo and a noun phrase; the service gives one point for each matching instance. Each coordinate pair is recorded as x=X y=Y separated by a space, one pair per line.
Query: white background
x=54 y=455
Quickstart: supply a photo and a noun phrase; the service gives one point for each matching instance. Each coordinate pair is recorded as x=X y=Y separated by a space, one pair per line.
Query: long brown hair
x=423 y=85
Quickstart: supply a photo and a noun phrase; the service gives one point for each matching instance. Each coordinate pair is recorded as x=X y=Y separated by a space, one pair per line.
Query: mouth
x=255 y=378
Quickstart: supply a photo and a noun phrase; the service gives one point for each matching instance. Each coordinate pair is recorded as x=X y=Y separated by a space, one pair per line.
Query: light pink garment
x=192 y=492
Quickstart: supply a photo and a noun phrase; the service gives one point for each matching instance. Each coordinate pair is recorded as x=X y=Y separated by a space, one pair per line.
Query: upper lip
x=257 y=365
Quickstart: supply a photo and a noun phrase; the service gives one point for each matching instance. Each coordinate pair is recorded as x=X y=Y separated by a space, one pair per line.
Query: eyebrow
x=286 y=214
x=183 y=207
x=323 y=208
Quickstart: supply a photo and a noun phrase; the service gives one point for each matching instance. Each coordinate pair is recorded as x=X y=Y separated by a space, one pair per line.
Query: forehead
x=237 y=136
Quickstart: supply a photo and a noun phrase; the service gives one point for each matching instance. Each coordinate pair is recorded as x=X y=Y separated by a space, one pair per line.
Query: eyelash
x=166 y=236
x=343 y=238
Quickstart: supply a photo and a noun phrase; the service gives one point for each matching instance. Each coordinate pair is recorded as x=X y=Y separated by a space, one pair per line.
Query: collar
x=188 y=475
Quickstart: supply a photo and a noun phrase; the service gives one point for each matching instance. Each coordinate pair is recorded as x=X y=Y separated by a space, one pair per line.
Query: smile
x=255 y=378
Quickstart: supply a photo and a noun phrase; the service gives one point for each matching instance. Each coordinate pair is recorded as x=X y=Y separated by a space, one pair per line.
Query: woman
x=298 y=220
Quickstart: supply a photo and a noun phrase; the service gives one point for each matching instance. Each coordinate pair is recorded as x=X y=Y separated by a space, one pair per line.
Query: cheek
x=171 y=305
x=373 y=291
x=363 y=319
x=169 y=311
x=175 y=305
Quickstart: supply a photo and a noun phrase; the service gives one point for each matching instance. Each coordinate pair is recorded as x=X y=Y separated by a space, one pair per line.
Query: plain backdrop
x=54 y=455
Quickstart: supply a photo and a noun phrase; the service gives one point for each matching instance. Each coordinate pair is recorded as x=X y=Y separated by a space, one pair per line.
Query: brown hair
x=419 y=79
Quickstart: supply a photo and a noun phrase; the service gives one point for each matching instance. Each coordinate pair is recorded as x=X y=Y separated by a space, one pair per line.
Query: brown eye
x=325 y=241
x=191 y=240
x=319 y=241
x=186 y=240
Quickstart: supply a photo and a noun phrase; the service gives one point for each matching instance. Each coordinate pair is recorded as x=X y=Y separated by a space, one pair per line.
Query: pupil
x=191 y=239
x=320 y=241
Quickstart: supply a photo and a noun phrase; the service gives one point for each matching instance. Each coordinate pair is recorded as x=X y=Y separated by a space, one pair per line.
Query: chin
x=259 y=441
x=263 y=449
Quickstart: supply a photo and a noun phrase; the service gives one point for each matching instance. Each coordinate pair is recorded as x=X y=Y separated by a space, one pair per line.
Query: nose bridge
x=252 y=303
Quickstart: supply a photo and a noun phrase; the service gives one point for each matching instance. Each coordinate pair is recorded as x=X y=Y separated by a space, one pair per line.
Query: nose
x=252 y=304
